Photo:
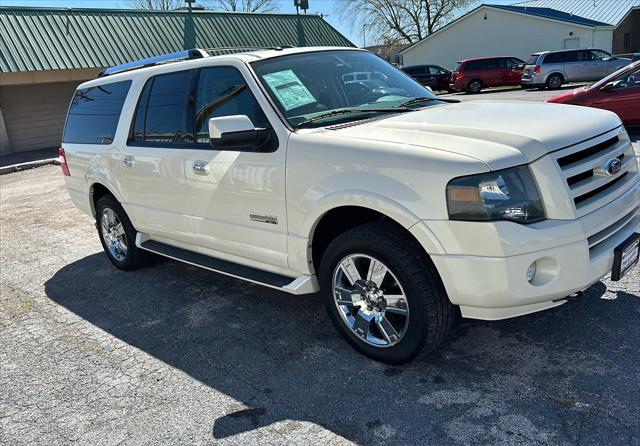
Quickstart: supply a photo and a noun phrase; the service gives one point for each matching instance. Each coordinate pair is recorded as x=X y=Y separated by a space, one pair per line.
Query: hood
x=567 y=97
x=500 y=134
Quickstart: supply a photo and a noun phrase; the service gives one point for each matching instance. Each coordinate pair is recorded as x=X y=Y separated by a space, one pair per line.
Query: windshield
x=533 y=59
x=357 y=84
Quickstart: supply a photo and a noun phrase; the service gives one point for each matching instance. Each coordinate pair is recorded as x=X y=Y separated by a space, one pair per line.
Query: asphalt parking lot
x=172 y=354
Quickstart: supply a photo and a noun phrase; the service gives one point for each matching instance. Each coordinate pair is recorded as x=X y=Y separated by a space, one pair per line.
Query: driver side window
x=599 y=55
x=222 y=91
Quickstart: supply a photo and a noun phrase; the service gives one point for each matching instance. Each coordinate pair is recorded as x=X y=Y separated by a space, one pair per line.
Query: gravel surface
x=176 y=355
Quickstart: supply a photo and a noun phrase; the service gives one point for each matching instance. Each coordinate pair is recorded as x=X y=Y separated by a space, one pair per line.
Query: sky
x=326 y=7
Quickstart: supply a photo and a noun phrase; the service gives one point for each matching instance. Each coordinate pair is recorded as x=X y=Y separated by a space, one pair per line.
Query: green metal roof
x=33 y=39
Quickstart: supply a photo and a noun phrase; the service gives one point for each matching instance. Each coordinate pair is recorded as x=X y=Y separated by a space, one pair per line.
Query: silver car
x=551 y=69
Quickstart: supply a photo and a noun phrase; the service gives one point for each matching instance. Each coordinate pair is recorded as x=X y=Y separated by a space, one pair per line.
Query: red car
x=472 y=75
x=618 y=92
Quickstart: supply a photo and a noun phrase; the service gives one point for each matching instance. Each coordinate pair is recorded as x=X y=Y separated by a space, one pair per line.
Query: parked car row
x=547 y=69
x=619 y=92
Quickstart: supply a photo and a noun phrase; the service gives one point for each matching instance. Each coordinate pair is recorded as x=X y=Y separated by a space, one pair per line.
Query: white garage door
x=34 y=114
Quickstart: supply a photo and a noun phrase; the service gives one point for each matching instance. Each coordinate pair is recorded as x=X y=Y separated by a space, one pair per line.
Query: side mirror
x=236 y=131
x=608 y=86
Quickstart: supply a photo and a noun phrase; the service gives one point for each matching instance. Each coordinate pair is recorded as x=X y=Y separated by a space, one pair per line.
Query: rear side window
x=94 y=114
x=555 y=58
x=474 y=65
x=533 y=59
x=161 y=114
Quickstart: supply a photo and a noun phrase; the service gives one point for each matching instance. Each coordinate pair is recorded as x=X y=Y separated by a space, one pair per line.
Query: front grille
x=586 y=153
x=582 y=167
x=606 y=239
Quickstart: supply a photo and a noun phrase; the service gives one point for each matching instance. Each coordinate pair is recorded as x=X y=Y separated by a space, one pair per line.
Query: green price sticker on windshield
x=289 y=89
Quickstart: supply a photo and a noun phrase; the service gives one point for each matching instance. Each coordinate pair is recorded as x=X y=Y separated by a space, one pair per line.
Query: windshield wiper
x=425 y=99
x=346 y=111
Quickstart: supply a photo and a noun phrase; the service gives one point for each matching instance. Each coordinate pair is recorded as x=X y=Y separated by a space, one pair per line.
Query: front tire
x=383 y=293
x=118 y=235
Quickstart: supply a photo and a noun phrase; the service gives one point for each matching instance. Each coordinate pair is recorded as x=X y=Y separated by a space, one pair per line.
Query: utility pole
x=364 y=35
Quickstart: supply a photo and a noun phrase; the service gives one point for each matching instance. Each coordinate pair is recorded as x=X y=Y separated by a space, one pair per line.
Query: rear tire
x=474 y=86
x=397 y=308
x=118 y=236
x=554 y=81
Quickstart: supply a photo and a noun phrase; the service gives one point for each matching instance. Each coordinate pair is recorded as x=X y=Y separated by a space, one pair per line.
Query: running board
x=295 y=285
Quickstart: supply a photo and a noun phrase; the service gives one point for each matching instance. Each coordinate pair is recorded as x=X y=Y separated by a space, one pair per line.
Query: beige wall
x=503 y=33
x=47 y=77
x=629 y=25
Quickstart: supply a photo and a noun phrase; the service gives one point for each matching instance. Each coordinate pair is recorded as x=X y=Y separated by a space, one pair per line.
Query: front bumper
x=484 y=265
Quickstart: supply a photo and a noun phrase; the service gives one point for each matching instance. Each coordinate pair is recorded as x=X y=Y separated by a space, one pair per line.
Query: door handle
x=200 y=168
x=128 y=161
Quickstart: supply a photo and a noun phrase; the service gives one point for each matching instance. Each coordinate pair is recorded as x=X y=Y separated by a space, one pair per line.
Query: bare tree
x=243 y=5
x=164 y=5
x=401 y=21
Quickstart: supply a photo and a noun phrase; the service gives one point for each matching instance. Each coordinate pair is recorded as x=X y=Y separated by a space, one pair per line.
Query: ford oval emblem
x=612 y=166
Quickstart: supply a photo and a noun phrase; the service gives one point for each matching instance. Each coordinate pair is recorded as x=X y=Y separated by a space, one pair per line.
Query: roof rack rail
x=236 y=49
x=156 y=60
x=195 y=53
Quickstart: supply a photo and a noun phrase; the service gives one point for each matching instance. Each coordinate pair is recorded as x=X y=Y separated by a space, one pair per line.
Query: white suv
x=401 y=208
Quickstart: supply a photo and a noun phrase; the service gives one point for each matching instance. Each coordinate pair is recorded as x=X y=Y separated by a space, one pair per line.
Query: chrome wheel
x=113 y=234
x=370 y=300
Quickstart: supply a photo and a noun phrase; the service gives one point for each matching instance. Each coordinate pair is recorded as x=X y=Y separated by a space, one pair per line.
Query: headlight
x=509 y=194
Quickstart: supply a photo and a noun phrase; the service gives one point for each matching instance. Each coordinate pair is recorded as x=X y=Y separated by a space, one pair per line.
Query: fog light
x=531 y=272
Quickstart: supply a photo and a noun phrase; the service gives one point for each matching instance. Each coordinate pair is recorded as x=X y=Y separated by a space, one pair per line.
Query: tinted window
x=94 y=114
x=533 y=59
x=492 y=64
x=418 y=70
x=555 y=58
x=161 y=112
x=474 y=65
x=583 y=56
x=165 y=108
x=570 y=56
x=141 y=110
x=458 y=66
x=222 y=91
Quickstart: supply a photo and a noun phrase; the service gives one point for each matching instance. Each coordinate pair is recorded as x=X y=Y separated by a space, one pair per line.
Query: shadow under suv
x=551 y=69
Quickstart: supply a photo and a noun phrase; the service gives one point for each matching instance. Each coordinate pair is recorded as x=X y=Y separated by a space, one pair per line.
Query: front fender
x=300 y=255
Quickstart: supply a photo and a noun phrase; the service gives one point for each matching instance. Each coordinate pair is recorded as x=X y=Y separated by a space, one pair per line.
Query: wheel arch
x=474 y=79
x=96 y=191
x=554 y=72
x=336 y=216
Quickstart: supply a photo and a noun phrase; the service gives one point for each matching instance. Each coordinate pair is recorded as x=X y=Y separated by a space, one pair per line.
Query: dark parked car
x=618 y=92
x=472 y=75
x=432 y=76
